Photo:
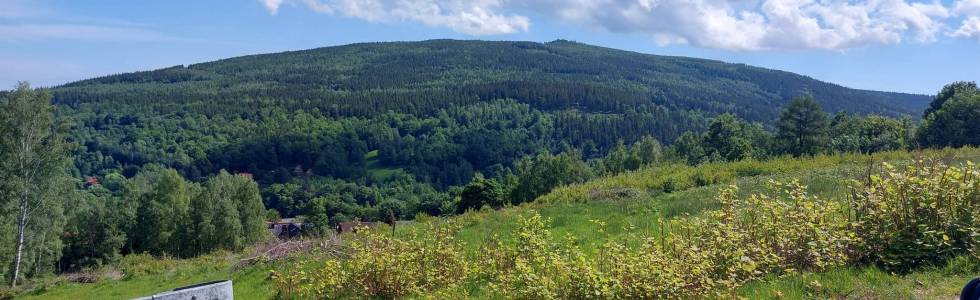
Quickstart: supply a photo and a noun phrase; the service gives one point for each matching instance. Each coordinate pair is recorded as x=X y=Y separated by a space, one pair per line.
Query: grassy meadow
x=616 y=209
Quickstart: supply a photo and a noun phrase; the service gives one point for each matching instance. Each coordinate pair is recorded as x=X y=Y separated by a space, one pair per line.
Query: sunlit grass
x=249 y=283
x=594 y=218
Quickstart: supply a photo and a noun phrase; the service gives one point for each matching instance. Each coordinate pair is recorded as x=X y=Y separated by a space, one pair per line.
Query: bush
x=925 y=213
x=785 y=232
x=425 y=262
x=137 y=265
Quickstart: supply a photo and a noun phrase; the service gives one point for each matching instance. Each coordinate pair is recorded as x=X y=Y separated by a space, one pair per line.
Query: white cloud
x=272 y=5
x=479 y=17
x=967 y=7
x=762 y=24
x=969 y=29
x=745 y=25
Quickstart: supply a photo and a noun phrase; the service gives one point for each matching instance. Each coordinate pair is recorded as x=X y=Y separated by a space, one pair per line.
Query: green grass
x=376 y=171
x=249 y=283
x=574 y=210
x=577 y=210
x=867 y=283
x=575 y=215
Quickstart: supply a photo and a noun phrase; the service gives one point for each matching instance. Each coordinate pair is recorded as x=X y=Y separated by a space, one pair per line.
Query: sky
x=891 y=45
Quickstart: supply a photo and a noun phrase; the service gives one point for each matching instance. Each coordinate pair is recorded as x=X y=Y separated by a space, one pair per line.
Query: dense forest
x=388 y=117
x=160 y=161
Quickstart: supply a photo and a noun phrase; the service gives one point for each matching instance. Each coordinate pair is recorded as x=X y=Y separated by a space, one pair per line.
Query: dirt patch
x=276 y=250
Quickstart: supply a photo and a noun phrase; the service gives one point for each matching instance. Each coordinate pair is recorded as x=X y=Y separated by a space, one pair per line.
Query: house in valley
x=286 y=228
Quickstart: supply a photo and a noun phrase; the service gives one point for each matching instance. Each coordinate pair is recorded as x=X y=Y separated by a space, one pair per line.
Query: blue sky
x=893 y=45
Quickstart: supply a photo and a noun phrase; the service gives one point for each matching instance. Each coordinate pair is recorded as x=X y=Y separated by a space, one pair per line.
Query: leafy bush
x=137 y=265
x=426 y=262
x=785 y=232
x=925 y=213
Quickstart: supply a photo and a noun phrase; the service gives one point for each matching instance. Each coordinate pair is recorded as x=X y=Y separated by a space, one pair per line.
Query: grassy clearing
x=375 y=170
x=160 y=275
x=580 y=210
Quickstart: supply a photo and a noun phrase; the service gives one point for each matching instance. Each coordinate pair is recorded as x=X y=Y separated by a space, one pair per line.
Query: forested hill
x=423 y=77
x=357 y=131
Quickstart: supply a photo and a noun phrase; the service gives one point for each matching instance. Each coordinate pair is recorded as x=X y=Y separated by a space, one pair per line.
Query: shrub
x=376 y=265
x=137 y=265
x=925 y=213
x=538 y=266
x=785 y=232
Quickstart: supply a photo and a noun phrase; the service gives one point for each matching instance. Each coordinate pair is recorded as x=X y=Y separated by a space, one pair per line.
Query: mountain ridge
x=464 y=69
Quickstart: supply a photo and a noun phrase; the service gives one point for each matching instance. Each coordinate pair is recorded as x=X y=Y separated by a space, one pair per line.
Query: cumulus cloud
x=969 y=29
x=763 y=25
x=967 y=7
x=479 y=17
x=746 y=25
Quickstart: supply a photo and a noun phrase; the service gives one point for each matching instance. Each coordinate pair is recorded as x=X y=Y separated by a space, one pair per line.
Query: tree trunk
x=21 y=226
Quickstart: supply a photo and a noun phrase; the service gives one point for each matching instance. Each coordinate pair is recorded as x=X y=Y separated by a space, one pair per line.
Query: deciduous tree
x=33 y=157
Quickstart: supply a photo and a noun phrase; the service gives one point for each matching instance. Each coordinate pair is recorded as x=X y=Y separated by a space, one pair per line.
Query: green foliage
x=621 y=159
x=539 y=174
x=375 y=114
x=955 y=124
x=676 y=176
x=428 y=262
x=481 y=192
x=781 y=232
x=697 y=258
x=923 y=214
x=869 y=134
x=731 y=139
x=144 y=275
x=226 y=214
x=138 y=265
x=802 y=127
x=423 y=77
x=648 y=150
x=34 y=156
x=948 y=92
x=161 y=212
x=688 y=148
x=728 y=138
x=92 y=237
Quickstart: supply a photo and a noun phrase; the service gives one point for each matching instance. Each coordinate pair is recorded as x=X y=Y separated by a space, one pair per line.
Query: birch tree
x=33 y=156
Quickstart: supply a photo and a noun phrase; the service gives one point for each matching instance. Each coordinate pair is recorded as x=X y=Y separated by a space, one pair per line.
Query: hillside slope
x=595 y=218
x=423 y=77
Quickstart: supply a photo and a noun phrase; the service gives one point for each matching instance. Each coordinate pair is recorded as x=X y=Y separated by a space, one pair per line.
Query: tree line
x=52 y=221
x=82 y=186
x=803 y=128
